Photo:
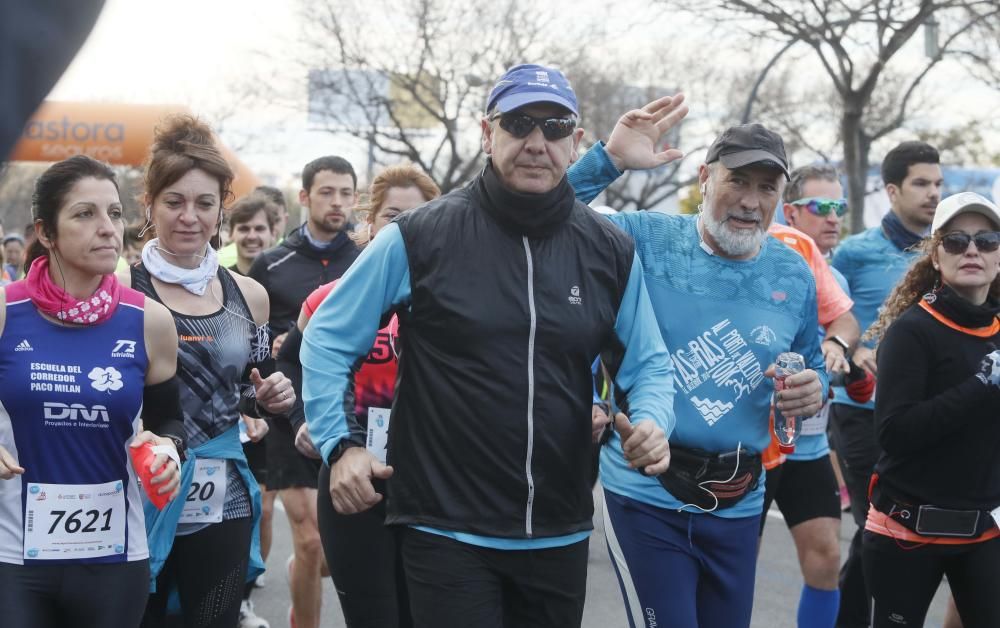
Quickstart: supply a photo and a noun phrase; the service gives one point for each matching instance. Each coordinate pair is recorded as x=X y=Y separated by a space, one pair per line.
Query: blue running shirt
x=872 y=265
x=724 y=322
x=70 y=399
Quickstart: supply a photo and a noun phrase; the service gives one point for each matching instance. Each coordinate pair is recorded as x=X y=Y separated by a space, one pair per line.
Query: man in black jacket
x=506 y=290
x=316 y=253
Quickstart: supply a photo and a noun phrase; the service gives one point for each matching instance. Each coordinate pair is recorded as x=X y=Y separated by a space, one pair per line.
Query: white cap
x=962 y=203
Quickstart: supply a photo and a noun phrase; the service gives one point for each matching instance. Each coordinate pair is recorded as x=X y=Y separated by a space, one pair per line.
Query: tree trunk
x=856 y=146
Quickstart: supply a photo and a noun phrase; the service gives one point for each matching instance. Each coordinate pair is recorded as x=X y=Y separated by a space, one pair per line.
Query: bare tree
x=417 y=89
x=604 y=95
x=16 y=185
x=854 y=42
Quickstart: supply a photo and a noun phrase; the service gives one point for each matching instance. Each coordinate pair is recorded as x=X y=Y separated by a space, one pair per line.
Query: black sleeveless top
x=214 y=350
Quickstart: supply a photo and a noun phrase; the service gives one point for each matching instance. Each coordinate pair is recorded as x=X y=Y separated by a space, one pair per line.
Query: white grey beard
x=736 y=243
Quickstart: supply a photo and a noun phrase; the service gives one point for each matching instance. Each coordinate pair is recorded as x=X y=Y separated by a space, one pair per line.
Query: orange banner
x=115 y=133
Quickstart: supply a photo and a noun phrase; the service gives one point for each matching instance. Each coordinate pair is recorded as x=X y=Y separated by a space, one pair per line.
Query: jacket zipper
x=531 y=387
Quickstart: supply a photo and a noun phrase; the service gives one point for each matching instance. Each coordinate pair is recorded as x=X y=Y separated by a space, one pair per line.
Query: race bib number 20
x=207 y=493
x=74 y=521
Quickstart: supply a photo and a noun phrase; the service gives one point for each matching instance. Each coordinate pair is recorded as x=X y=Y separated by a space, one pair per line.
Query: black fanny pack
x=709 y=480
x=929 y=520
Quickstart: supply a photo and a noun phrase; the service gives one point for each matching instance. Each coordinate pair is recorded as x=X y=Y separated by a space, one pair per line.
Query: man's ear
x=304 y=198
x=577 y=138
x=892 y=190
x=487 y=139
x=789 y=210
x=703 y=177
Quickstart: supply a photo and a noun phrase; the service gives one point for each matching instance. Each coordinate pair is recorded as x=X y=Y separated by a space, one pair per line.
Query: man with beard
x=728 y=299
x=317 y=252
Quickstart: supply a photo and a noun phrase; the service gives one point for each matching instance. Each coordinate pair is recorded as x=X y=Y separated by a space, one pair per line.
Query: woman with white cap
x=935 y=493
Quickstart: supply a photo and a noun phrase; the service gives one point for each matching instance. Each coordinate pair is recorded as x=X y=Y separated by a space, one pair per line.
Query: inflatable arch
x=116 y=133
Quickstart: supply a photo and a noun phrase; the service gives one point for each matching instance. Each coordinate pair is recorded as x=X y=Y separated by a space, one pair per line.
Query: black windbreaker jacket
x=293 y=269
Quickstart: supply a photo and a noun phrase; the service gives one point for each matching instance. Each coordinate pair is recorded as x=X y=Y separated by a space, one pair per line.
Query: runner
x=873 y=261
x=935 y=494
x=506 y=290
x=728 y=299
x=13 y=254
x=362 y=553
x=252 y=221
x=315 y=253
x=804 y=486
x=207 y=545
x=81 y=358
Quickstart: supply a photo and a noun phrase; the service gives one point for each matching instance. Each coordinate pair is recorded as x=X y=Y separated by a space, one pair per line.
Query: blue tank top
x=71 y=400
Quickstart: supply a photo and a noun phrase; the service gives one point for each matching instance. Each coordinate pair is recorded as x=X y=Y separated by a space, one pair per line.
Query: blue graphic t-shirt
x=872 y=265
x=724 y=322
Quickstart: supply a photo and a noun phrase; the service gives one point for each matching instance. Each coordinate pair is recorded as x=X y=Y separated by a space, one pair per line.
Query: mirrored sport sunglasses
x=520 y=125
x=823 y=206
x=957 y=242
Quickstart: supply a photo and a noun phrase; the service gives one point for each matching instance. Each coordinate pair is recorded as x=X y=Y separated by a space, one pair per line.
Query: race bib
x=378 y=432
x=816 y=424
x=207 y=493
x=74 y=521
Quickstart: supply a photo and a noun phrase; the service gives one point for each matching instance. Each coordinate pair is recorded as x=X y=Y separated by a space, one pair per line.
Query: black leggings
x=903 y=581
x=364 y=560
x=209 y=569
x=83 y=595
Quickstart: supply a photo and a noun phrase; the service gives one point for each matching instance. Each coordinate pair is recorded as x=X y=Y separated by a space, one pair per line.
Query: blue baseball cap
x=528 y=84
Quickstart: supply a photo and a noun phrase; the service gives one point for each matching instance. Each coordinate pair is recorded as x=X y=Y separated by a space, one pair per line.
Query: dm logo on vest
x=55 y=411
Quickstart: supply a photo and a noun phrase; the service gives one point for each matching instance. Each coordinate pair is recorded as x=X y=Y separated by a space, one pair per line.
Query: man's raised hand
x=633 y=142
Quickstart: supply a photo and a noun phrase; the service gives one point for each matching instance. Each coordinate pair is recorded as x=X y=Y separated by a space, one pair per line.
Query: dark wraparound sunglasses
x=520 y=125
x=957 y=242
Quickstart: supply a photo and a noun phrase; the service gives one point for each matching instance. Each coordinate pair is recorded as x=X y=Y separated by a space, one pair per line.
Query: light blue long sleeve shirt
x=344 y=326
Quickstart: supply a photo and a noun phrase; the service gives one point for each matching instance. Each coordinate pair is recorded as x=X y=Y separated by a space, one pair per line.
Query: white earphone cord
x=701 y=485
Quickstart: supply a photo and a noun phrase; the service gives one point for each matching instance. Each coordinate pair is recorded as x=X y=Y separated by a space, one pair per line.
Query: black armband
x=162 y=413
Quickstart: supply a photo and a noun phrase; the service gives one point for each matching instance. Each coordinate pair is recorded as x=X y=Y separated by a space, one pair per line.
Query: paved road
x=775 y=602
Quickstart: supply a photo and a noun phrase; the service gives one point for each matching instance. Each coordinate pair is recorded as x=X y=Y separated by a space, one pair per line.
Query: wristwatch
x=178 y=445
x=840 y=341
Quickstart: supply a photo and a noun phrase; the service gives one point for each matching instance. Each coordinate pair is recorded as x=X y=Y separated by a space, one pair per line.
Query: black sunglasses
x=520 y=125
x=957 y=242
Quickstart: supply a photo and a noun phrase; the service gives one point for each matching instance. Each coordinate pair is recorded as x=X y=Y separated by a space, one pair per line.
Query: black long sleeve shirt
x=937 y=423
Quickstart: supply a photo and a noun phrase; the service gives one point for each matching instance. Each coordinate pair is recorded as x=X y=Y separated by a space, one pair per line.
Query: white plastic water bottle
x=786 y=428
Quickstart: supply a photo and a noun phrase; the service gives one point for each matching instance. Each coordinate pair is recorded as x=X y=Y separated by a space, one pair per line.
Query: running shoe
x=249 y=619
x=260 y=581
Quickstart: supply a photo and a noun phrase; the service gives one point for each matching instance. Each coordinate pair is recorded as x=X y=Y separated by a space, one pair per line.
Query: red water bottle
x=142 y=458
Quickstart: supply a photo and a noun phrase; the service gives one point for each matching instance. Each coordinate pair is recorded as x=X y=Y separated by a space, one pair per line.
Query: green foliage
x=689 y=204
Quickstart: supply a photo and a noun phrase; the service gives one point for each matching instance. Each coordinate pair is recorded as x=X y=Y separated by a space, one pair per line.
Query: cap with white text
x=529 y=84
